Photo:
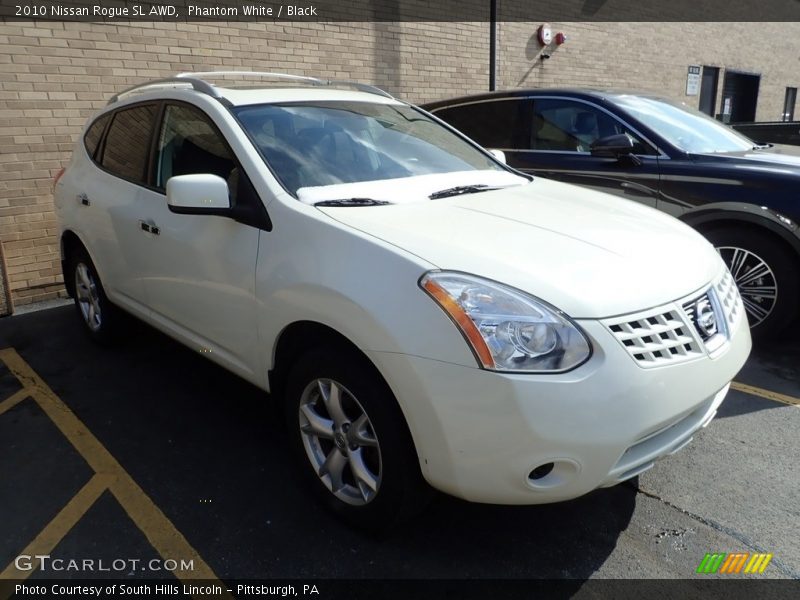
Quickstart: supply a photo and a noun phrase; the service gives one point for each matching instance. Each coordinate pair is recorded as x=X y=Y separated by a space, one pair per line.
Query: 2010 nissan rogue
x=429 y=316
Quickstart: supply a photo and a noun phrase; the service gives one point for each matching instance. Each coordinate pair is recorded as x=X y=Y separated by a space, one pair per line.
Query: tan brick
x=53 y=75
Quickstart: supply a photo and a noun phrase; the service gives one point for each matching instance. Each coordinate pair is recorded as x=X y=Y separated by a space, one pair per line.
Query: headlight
x=508 y=330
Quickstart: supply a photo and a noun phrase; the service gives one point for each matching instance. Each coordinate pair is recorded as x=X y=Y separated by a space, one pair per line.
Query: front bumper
x=480 y=434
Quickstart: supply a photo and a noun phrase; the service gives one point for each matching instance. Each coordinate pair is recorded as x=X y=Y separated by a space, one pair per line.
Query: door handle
x=83 y=199
x=149 y=228
x=636 y=188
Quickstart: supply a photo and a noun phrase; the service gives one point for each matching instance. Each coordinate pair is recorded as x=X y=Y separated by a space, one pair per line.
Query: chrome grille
x=656 y=338
x=671 y=333
x=728 y=295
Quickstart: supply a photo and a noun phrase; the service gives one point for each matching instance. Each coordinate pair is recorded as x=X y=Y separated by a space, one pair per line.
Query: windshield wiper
x=352 y=202
x=763 y=146
x=461 y=189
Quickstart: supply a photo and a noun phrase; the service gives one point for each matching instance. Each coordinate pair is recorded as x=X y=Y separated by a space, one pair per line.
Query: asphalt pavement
x=208 y=453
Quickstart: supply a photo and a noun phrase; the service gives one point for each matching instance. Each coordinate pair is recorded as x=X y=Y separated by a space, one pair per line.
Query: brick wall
x=54 y=75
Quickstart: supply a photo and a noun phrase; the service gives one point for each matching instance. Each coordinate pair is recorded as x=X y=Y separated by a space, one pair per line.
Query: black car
x=744 y=197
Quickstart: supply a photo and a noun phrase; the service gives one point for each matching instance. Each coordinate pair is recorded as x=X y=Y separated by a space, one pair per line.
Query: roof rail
x=197 y=80
x=197 y=84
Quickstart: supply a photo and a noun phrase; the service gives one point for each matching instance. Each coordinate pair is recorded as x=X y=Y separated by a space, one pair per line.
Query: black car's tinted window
x=190 y=144
x=92 y=138
x=571 y=126
x=128 y=142
x=500 y=124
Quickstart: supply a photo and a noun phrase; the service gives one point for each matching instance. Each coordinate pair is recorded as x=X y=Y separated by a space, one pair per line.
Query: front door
x=561 y=134
x=200 y=274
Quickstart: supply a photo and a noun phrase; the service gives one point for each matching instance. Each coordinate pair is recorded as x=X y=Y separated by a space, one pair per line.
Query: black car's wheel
x=765 y=275
x=101 y=319
x=351 y=441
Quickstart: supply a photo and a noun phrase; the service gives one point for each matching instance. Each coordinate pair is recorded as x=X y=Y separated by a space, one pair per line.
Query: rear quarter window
x=127 y=144
x=93 y=135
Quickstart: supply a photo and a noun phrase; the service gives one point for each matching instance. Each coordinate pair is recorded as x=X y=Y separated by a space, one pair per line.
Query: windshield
x=686 y=128
x=310 y=144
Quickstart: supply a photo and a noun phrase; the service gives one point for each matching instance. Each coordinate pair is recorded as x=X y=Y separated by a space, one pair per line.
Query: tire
x=351 y=442
x=766 y=275
x=101 y=320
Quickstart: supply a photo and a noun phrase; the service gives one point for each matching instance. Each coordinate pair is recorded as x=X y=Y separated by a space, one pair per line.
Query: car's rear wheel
x=351 y=440
x=764 y=273
x=101 y=319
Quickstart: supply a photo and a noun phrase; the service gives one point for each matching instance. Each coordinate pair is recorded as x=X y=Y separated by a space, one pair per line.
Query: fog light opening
x=541 y=471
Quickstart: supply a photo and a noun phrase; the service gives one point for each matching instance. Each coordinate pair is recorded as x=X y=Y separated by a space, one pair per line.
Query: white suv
x=425 y=313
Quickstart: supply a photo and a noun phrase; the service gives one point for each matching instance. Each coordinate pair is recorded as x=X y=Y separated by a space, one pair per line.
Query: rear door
x=108 y=198
x=495 y=123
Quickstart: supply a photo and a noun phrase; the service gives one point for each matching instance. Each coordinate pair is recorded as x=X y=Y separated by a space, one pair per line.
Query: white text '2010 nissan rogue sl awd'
x=425 y=313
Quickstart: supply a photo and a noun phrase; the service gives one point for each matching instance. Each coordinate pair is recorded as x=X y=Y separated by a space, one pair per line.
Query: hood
x=590 y=254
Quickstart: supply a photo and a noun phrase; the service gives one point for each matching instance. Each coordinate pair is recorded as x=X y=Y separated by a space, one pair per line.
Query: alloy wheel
x=340 y=442
x=757 y=284
x=88 y=297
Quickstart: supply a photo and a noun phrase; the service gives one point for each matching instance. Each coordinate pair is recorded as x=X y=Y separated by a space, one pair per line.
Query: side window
x=92 y=138
x=569 y=126
x=500 y=124
x=190 y=144
x=128 y=142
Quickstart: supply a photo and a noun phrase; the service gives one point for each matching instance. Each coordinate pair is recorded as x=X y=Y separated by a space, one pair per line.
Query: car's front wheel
x=351 y=440
x=764 y=273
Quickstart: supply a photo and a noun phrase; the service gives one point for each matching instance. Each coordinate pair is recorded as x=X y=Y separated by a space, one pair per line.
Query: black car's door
x=562 y=131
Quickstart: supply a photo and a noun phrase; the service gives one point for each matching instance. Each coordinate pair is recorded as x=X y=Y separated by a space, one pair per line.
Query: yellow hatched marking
x=59 y=527
x=13 y=400
x=157 y=528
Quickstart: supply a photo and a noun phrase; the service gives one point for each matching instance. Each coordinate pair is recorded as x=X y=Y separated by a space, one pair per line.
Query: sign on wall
x=693 y=81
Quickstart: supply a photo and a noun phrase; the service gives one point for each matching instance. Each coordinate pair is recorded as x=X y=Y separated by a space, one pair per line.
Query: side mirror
x=200 y=194
x=499 y=155
x=613 y=146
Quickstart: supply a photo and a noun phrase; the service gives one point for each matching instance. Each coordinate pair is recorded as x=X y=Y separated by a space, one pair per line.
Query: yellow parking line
x=768 y=394
x=157 y=528
x=13 y=400
x=54 y=532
